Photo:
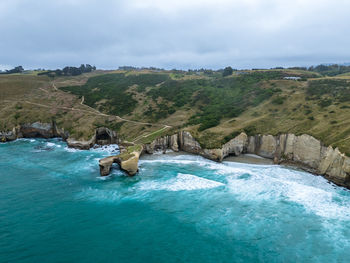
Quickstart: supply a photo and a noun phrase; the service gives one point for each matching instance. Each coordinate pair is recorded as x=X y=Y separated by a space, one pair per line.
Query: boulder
x=212 y=154
x=82 y=145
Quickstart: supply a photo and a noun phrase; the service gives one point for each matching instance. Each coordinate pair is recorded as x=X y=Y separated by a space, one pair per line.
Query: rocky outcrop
x=34 y=130
x=162 y=144
x=38 y=130
x=127 y=160
x=182 y=141
x=105 y=136
x=82 y=145
x=304 y=151
x=102 y=136
x=235 y=146
x=7 y=136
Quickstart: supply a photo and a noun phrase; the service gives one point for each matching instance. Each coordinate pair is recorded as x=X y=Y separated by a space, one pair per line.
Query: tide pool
x=54 y=207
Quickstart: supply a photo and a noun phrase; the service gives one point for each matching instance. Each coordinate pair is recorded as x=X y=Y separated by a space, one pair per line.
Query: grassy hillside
x=143 y=105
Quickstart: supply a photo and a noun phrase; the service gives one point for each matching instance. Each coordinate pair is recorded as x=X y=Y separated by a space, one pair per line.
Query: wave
x=314 y=193
x=110 y=149
x=182 y=182
x=272 y=183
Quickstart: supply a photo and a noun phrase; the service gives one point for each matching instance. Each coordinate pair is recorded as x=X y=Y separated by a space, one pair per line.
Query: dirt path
x=149 y=134
x=54 y=86
x=96 y=112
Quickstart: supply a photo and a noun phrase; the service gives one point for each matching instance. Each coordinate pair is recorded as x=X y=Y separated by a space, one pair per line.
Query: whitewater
x=54 y=207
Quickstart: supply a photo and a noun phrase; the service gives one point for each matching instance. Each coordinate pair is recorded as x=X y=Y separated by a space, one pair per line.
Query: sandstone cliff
x=304 y=151
x=34 y=130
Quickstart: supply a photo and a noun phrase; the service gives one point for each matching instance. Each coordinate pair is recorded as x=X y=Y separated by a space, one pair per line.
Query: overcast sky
x=173 y=34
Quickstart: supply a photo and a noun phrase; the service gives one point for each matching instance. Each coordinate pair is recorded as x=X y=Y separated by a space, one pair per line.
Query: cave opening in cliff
x=103 y=136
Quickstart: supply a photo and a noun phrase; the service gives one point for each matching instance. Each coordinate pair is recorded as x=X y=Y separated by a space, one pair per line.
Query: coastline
x=243 y=158
x=302 y=151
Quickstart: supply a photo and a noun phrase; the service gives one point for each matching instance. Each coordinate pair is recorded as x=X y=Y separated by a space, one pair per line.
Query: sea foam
x=182 y=182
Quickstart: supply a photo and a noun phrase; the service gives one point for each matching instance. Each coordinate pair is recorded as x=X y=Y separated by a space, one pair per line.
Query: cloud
x=177 y=34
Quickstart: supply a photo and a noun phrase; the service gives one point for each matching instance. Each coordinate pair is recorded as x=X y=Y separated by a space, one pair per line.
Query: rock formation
x=102 y=136
x=127 y=160
x=304 y=151
x=34 y=130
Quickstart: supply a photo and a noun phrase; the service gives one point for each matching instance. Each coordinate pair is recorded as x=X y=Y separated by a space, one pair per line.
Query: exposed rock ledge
x=102 y=136
x=304 y=151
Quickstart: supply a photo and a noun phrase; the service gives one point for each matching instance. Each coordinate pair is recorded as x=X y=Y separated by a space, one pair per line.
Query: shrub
x=231 y=136
x=278 y=100
x=227 y=71
x=325 y=103
x=250 y=130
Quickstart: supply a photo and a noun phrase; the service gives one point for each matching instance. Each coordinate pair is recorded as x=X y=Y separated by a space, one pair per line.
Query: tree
x=18 y=69
x=227 y=71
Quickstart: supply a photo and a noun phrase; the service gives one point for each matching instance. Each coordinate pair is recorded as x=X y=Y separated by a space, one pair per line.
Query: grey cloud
x=182 y=34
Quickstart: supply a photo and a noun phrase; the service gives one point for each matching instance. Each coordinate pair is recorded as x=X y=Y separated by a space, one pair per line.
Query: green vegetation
x=278 y=100
x=18 y=69
x=330 y=70
x=327 y=90
x=213 y=108
x=69 y=71
x=129 y=152
x=227 y=71
x=112 y=88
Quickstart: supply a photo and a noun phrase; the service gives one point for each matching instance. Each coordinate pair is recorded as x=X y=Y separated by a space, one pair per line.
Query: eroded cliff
x=304 y=151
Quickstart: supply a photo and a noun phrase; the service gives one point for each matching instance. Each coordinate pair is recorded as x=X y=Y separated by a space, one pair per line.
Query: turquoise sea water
x=54 y=207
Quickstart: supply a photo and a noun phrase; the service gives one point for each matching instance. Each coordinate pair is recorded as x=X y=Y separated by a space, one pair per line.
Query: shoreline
x=302 y=151
x=243 y=158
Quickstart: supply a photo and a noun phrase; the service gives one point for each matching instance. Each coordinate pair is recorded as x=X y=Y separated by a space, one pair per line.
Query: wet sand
x=249 y=158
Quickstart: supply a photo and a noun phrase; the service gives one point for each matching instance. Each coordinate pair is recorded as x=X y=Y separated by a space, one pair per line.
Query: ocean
x=54 y=207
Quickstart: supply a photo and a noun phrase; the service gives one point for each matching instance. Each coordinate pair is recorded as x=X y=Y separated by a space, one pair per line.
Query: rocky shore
x=303 y=151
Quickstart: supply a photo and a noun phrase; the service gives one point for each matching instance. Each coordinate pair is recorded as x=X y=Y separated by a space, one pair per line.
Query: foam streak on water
x=54 y=207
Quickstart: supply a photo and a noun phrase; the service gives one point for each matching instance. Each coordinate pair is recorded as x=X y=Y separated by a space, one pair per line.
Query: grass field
x=138 y=104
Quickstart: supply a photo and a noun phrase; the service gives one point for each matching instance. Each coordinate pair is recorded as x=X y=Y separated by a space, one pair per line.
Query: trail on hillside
x=96 y=112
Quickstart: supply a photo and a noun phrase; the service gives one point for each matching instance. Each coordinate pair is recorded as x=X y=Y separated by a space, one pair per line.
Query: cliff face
x=304 y=151
x=102 y=135
x=34 y=130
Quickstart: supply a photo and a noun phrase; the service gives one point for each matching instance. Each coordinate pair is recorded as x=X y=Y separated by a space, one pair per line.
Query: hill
x=144 y=104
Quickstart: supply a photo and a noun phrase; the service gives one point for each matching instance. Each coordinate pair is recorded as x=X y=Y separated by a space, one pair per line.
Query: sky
x=182 y=34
